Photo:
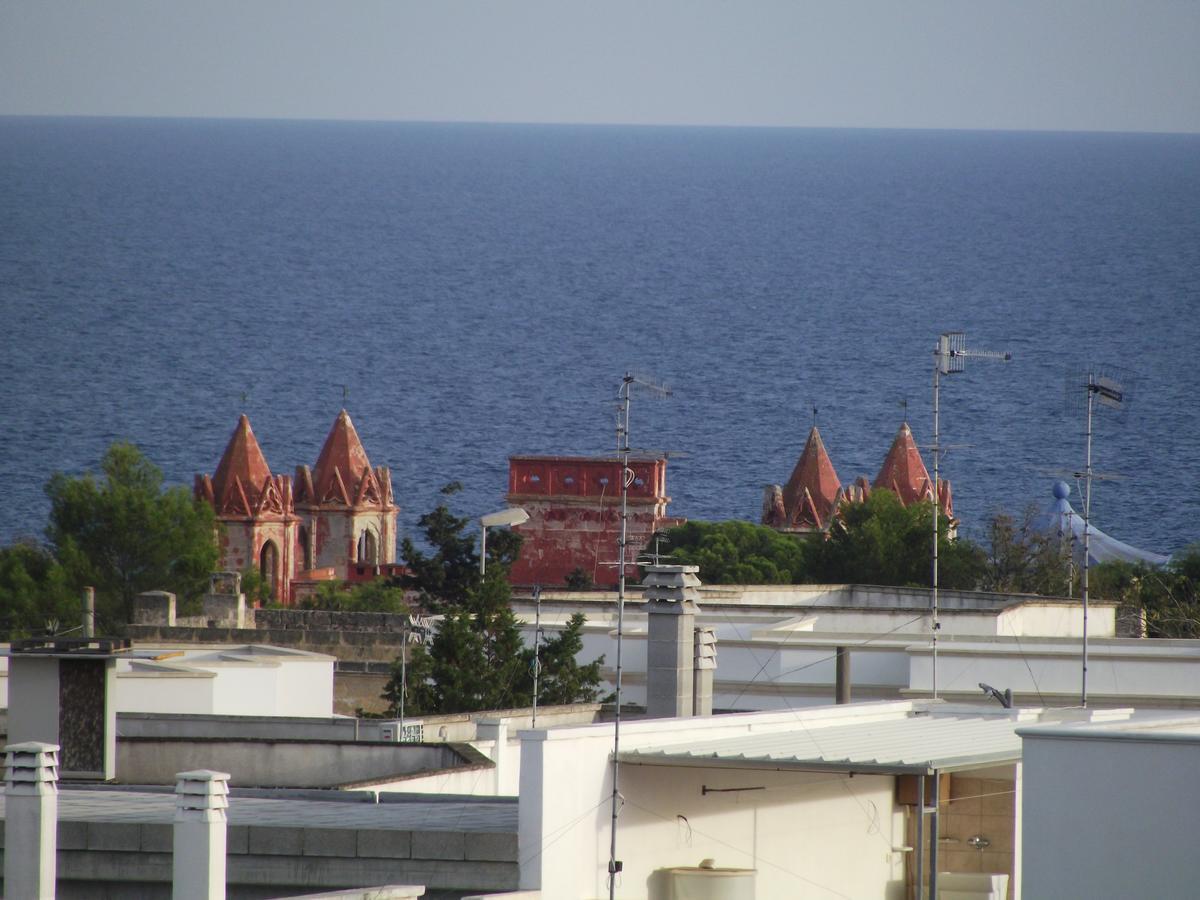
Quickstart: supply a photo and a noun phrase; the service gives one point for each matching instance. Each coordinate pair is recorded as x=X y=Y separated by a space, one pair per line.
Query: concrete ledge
x=72 y=835
x=330 y=842
x=158 y=838
x=439 y=845
x=383 y=844
x=499 y=846
x=275 y=841
x=114 y=836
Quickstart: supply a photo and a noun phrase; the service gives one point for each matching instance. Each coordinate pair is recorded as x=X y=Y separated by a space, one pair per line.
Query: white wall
x=1110 y=817
x=810 y=835
x=157 y=691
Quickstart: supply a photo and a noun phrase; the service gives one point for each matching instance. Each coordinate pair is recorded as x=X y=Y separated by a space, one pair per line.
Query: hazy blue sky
x=1056 y=64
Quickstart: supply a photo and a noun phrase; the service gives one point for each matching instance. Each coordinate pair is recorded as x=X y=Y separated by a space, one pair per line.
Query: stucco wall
x=811 y=835
x=1110 y=818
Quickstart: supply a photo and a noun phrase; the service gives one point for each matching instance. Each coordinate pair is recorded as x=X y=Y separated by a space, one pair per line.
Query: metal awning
x=914 y=744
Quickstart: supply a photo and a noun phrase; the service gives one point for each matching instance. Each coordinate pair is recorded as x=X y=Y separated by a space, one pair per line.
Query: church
x=331 y=522
x=810 y=500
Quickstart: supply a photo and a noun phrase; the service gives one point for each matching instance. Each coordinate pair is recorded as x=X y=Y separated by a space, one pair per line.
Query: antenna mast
x=627 y=475
x=1108 y=388
x=949 y=357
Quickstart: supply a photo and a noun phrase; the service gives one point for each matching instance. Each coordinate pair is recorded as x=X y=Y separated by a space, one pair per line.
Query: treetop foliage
x=477 y=660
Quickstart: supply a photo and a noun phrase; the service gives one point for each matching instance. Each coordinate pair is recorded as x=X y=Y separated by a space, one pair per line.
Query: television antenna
x=949 y=358
x=1109 y=387
x=651 y=388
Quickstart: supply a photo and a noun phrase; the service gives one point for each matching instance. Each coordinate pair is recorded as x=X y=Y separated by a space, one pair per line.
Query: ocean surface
x=473 y=291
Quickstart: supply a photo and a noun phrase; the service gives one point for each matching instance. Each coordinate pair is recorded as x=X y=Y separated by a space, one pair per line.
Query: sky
x=1096 y=65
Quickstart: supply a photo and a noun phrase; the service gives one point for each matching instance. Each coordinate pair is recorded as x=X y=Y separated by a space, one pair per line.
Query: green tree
x=35 y=593
x=562 y=679
x=448 y=575
x=1025 y=560
x=124 y=534
x=1169 y=597
x=369 y=596
x=741 y=553
x=881 y=541
x=477 y=659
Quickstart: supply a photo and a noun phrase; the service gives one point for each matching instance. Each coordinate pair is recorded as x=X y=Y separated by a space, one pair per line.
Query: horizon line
x=599 y=124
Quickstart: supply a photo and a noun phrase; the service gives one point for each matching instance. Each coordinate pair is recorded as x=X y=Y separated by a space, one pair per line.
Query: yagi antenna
x=949 y=357
x=1111 y=388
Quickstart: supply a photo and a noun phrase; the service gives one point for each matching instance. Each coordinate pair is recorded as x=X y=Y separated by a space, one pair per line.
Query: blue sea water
x=473 y=291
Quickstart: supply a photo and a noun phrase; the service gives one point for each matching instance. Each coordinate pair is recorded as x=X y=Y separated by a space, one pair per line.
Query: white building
x=1111 y=809
x=225 y=679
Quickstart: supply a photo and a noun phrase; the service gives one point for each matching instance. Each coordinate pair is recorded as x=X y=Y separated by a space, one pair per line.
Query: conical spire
x=242 y=474
x=343 y=465
x=903 y=471
x=812 y=491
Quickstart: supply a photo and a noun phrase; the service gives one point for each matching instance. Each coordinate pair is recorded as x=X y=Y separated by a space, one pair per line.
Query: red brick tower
x=255 y=507
x=350 y=516
x=574 y=506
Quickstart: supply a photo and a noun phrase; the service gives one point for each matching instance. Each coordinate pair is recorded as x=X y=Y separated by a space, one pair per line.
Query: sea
x=471 y=291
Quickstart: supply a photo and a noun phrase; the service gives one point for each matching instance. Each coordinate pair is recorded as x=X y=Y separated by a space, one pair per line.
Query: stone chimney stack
x=31 y=820
x=671 y=593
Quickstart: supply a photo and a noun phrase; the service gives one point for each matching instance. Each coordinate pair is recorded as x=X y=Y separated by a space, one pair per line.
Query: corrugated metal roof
x=914 y=744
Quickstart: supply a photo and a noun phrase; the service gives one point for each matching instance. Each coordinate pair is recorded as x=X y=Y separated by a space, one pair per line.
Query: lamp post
x=513 y=515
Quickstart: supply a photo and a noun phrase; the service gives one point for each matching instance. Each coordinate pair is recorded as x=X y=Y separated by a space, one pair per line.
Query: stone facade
x=337 y=516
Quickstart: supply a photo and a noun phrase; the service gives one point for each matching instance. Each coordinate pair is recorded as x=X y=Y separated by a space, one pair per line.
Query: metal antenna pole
x=403 y=671
x=614 y=865
x=537 y=635
x=1087 y=511
x=935 y=624
x=949 y=357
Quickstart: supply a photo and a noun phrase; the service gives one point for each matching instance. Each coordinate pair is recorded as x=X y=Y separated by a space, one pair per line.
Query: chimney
x=31 y=820
x=201 y=798
x=671 y=593
x=704 y=666
x=89 y=612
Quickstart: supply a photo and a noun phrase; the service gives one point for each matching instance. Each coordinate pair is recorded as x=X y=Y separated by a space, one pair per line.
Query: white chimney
x=31 y=820
x=201 y=798
x=671 y=594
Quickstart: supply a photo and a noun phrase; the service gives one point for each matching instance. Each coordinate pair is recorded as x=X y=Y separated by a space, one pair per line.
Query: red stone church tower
x=260 y=527
x=349 y=513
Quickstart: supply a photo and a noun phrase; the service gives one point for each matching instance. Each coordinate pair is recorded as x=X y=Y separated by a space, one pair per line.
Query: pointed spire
x=242 y=474
x=341 y=465
x=903 y=470
x=810 y=494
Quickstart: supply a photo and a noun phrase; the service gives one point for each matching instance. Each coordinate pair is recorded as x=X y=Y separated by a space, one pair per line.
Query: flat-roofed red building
x=574 y=506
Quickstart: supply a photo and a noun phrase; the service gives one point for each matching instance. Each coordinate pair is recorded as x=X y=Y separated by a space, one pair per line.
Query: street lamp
x=514 y=515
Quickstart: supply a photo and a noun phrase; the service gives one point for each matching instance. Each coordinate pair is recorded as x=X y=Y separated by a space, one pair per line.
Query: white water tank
x=706 y=882
x=971 y=886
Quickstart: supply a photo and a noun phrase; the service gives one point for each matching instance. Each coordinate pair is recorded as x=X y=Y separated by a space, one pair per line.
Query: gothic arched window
x=368 y=548
x=268 y=565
